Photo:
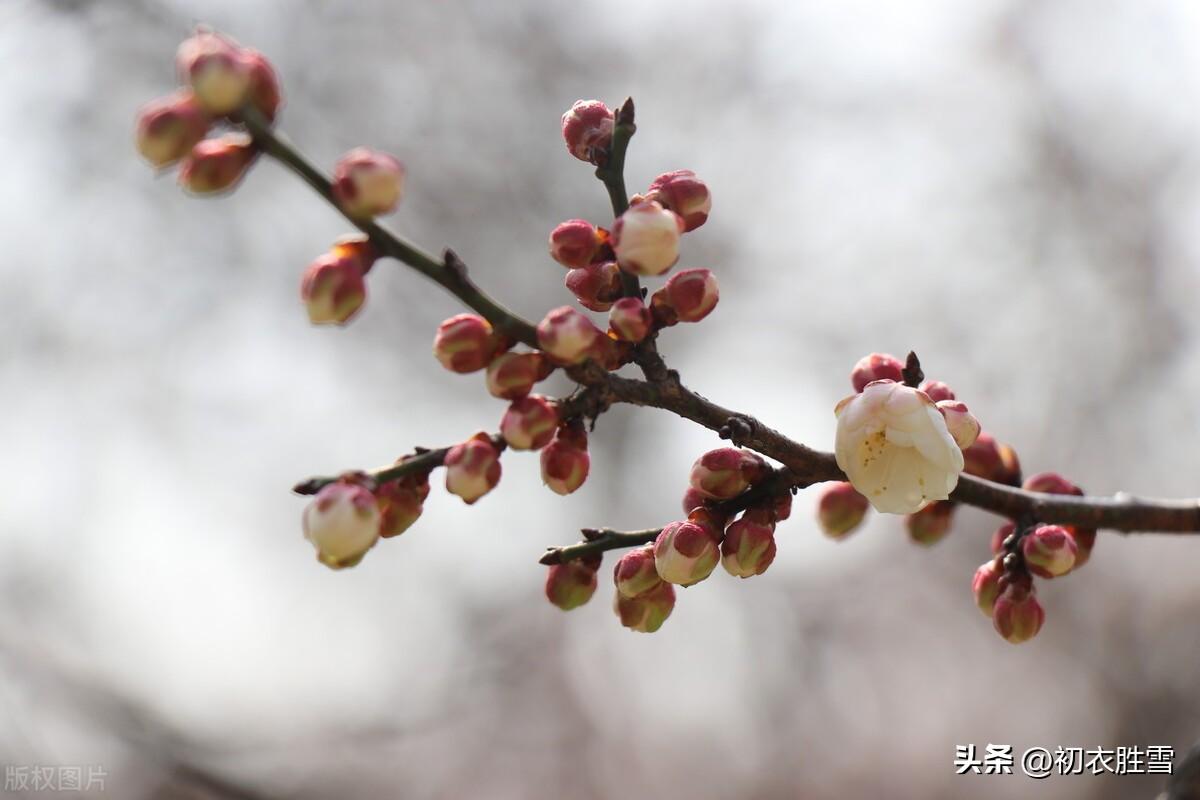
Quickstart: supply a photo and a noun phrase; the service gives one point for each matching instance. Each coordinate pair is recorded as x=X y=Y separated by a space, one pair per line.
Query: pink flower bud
x=960 y=422
x=686 y=553
x=688 y=296
x=213 y=66
x=572 y=584
x=216 y=165
x=400 y=504
x=635 y=573
x=726 y=472
x=357 y=247
x=169 y=127
x=876 y=367
x=646 y=239
x=568 y=336
x=999 y=536
x=749 y=545
x=781 y=506
x=693 y=498
x=265 y=94
x=529 y=423
x=465 y=343
x=629 y=319
x=840 y=509
x=472 y=468
x=931 y=524
x=342 y=522
x=565 y=461
x=647 y=612
x=1016 y=614
x=367 y=183
x=333 y=290
x=587 y=128
x=513 y=375
x=1053 y=483
x=937 y=391
x=574 y=243
x=986 y=585
x=1049 y=551
x=685 y=194
x=991 y=460
x=596 y=286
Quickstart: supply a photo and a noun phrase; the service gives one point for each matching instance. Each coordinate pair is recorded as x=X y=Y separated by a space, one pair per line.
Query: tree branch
x=612 y=173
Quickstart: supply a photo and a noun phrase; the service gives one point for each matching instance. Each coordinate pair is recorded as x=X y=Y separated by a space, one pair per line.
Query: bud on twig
x=1017 y=615
x=465 y=343
x=342 y=522
x=400 y=503
x=985 y=585
x=840 y=509
x=367 y=183
x=630 y=319
x=726 y=472
x=689 y=296
x=595 y=286
x=168 y=128
x=931 y=524
x=529 y=423
x=213 y=66
x=472 y=468
x=565 y=461
x=574 y=243
x=216 y=165
x=937 y=391
x=513 y=375
x=567 y=335
x=635 y=573
x=685 y=194
x=572 y=584
x=1049 y=551
x=646 y=239
x=587 y=128
x=876 y=367
x=749 y=545
x=333 y=289
x=647 y=612
x=686 y=552
x=960 y=422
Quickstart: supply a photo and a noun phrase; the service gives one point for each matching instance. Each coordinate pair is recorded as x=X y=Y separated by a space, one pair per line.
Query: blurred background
x=1008 y=187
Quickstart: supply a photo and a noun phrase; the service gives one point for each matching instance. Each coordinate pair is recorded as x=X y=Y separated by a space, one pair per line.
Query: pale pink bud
x=367 y=183
x=213 y=66
x=472 y=468
x=400 y=504
x=356 y=246
x=1000 y=535
x=647 y=612
x=565 y=461
x=991 y=460
x=1053 y=483
x=840 y=509
x=465 y=343
x=342 y=522
x=1049 y=551
x=686 y=553
x=693 y=498
x=876 y=367
x=587 y=128
x=333 y=290
x=529 y=423
x=685 y=194
x=635 y=573
x=574 y=243
x=216 y=165
x=265 y=94
x=749 y=545
x=567 y=335
x=1016 y=614
x=961 y=423
x=931 y=524
x=726 y=472
x=646 y=239
x=629 y=319
x=596 y=286
x=937 y=391
x=689 y=296
x=513 y=375
x=169 y=127
x=985 y=585
x=572 y=584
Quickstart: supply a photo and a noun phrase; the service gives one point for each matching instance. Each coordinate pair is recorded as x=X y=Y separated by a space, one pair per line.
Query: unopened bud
x=513 y=375
x=646 y=239
x=840 y=509
x=565 y=461
x=567 y=335
x=587 y=128
x=529 y=423
x=1053 y=483
x=689 y=296
x=647 y=612
x=1017 y=614
x=991 y=460
x=686 y=552
x=937 y=391
x=931 y=524
x=265 y=94
x=1049 y=551
x=216 y=165
x=629 y=319
x=574 y=243
x=781 y=504
x=400 y=503
x=749 y=545
x=635 y=573
x=685 y=194
x=693 y=498
x=595 y=286
x=465 y=343
x=367 y=183
x=168 y=128
x=358 y=247
x=726 y=472
x=876 y=367
x=472 y=468
x=572 y=584
x=333 y=290
x=342 y=522
x=986 y=585
x=213 y=66
x=960 y=422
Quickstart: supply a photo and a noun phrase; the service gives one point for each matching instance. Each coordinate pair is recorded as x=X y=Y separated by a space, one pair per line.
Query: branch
x=612 y=173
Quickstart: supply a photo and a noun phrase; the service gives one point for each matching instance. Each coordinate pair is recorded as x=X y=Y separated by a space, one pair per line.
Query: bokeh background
x=1009 y=187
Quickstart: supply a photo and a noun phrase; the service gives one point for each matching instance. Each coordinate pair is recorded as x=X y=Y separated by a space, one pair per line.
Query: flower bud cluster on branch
x=903 y=444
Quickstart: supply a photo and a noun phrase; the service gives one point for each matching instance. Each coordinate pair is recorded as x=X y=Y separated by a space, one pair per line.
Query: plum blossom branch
x=612 y=173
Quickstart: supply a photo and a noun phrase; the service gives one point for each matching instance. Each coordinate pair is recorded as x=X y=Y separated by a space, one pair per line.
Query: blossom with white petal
x=894 y=447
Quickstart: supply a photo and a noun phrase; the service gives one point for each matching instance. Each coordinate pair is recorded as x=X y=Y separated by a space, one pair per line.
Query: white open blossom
x=894 y=447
